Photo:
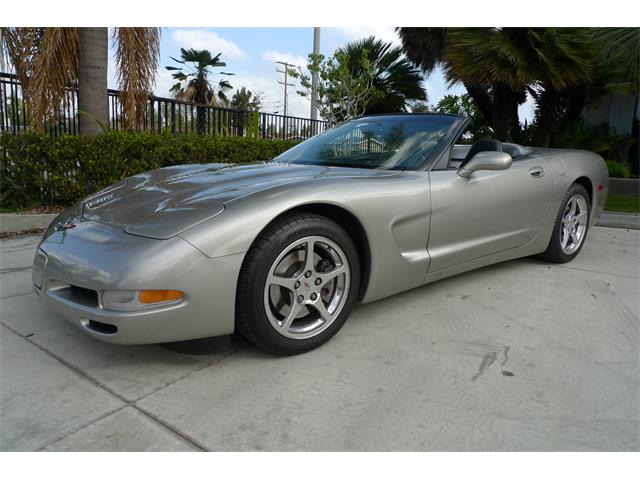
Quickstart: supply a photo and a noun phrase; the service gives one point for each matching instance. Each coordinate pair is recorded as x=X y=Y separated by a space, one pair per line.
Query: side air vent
x=104 y=328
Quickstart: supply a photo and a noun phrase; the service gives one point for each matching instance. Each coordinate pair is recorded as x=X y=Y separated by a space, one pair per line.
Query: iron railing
x=161 y=115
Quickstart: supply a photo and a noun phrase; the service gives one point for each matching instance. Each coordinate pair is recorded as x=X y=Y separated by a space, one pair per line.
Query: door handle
x=536 y=172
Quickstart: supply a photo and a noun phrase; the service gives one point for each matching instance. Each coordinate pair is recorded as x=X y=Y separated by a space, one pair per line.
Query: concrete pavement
x=518 y=356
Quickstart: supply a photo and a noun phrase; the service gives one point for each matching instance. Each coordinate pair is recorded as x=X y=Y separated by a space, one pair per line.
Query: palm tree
x=396 y=80
x=615 y=56
x=51 y=63
x=498 y=66
x=93 y=101
x=193 y=82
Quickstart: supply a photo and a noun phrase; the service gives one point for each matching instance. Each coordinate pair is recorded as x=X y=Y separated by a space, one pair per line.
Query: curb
x=18 y=222
x=624 y=186
x=619 y=220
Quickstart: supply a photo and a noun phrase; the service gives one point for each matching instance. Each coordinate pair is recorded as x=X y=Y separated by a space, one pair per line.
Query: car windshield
x=388 y=142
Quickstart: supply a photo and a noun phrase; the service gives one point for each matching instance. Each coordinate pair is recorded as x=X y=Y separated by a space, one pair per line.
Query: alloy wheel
x=307 y=286
x=574 y=224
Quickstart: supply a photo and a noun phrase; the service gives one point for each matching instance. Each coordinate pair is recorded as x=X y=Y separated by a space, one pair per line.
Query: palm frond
x=396 y=79
x=424 y=46
x=137 y=53
x=618 y=58
x=47 y=65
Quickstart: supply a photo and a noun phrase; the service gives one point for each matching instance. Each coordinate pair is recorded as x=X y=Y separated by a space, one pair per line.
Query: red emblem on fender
x=66 y=226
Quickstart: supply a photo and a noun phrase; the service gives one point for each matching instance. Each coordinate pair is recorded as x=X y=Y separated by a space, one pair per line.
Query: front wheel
x=571 y=226
x=297 y=285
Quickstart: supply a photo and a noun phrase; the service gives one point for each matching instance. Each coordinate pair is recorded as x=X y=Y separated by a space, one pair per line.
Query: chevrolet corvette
x=281 y=251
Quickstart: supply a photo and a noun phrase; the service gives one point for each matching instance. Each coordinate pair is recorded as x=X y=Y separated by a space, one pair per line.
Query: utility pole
x=285 y=83
x=286 y=66
x=314 y=76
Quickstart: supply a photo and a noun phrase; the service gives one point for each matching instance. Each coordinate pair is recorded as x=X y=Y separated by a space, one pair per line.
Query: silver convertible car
x=281 y=251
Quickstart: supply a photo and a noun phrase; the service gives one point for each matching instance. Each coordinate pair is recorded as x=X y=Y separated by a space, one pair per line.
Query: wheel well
x=350 y=223
x=586 y=183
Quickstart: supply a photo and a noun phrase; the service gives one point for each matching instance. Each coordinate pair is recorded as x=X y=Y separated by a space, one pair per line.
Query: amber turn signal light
x=155 y=296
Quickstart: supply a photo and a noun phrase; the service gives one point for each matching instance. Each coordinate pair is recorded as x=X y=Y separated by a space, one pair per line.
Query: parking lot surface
x=521 y=355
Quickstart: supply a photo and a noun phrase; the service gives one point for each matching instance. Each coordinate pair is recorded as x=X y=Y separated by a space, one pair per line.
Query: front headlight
x=133 y=300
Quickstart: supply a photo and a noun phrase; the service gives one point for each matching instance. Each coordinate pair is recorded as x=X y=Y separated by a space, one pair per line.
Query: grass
x=622 y=203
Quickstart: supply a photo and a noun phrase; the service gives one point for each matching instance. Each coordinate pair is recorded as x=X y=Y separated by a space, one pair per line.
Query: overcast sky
x=250 y=53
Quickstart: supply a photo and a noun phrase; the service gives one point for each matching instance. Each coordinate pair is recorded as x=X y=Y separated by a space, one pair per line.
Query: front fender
x=393 y=211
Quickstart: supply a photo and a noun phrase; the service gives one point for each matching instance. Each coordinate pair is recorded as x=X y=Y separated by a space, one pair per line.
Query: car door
x=489 y=212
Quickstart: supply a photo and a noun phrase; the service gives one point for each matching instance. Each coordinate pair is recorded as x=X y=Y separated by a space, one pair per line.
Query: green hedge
x=40 y=170
x=618 y=170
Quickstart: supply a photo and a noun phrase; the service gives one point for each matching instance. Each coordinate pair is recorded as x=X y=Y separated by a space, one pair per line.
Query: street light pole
x=314 y=76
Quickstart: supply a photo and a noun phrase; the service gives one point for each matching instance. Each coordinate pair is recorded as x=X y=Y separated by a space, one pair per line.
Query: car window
x=383 y=142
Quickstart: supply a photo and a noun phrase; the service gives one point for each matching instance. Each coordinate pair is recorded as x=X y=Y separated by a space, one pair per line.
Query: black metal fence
x=161 y=115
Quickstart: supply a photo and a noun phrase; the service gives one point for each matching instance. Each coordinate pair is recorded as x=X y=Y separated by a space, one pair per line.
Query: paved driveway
x=517 y=356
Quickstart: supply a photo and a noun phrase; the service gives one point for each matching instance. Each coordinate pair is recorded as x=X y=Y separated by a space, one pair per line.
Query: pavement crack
x=15 y=295
x=189 y=373
x=81 y=427
x=505 y=353
x=14 y=269
x=487 y=361
x=99 y=384
x=595 y=271
x=171 y=428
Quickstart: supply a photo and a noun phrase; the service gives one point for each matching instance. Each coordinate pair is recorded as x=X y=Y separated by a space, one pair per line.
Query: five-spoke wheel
x=306 y=287
x=298 y=284
x=574 y=223
x=571 y=226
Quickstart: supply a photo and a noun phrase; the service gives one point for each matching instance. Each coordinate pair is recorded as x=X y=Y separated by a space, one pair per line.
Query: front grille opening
x=73 y=293
x=84 y=296
x=104 y=328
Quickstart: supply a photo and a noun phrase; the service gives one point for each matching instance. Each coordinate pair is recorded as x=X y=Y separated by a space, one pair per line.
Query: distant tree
x=341 y=94
x=246 y=100
x=419 y=107
x=465 y=105
x=247 y=103
x=194 y=81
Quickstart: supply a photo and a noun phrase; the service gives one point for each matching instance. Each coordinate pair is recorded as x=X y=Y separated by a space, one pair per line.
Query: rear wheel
x=298 y=284
x=571 y=226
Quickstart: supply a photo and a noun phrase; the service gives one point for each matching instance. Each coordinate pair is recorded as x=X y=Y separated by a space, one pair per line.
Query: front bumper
x=72 y=268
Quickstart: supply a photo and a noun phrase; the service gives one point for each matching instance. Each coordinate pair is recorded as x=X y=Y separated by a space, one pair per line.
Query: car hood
x=165 y=202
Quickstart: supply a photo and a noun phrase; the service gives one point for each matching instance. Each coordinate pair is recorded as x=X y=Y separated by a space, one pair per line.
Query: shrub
x=37 y=169
x=617 y=170
x=598 y=139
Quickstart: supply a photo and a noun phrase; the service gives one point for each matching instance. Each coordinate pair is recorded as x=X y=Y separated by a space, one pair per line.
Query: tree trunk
x=482 y=99
x=502 y=115
x=93 y=102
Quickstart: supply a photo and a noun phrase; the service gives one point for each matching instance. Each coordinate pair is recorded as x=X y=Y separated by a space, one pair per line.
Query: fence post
x=173 y=117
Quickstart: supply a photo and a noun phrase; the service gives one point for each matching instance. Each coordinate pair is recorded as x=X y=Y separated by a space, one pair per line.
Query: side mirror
x=486 y=161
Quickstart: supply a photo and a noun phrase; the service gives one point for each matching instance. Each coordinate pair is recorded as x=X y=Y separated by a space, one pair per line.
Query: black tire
x=554 y=252
x=251 y=318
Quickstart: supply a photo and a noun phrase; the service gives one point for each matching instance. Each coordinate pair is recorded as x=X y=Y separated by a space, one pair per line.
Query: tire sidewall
x=259 y=270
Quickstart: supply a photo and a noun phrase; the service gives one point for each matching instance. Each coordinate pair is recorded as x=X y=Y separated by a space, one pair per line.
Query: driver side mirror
x=486 y=161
